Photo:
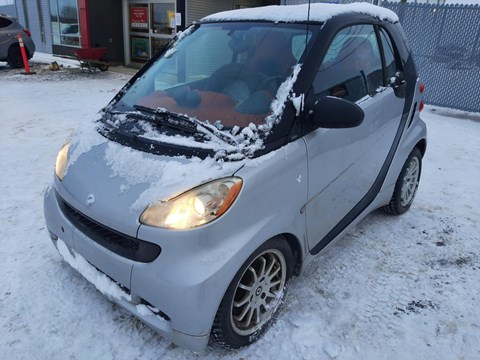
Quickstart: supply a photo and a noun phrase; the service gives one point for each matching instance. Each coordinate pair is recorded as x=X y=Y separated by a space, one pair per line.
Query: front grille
x=121 y=244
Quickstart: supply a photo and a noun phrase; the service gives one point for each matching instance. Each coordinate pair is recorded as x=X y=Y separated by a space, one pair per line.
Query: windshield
x=226 y=74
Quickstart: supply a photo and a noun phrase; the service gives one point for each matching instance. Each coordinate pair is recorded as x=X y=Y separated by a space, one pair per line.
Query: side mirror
x=336 y=113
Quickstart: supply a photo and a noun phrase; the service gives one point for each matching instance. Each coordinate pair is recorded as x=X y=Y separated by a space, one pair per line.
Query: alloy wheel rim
x=410 y=182
x=258 y=292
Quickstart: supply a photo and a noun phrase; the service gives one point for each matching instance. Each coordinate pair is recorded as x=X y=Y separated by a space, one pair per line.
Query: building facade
x=132 y=30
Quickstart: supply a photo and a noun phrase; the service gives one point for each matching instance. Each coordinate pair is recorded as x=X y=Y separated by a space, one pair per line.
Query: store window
x=163 y=18
x=65 y=24
x=151 y=26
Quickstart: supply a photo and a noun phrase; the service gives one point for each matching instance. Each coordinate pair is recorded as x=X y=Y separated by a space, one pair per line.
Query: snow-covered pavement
x=403 y=287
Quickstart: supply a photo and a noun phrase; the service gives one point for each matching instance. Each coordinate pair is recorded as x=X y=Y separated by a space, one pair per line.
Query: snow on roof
x=295 y=13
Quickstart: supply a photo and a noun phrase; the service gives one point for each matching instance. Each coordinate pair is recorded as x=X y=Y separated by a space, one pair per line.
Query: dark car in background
x=9 y=46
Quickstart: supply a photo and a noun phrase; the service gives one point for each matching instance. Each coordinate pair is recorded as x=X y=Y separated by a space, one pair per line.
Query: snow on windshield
x=231 y=79
x=242 y=142
x=296 y=13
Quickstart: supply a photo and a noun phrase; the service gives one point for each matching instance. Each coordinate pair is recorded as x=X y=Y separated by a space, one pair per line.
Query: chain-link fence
x=445 y=40
x=446 y=46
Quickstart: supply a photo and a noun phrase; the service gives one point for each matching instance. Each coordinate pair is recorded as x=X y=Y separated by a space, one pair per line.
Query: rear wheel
x=14 y=58
x=103 y=66
x=406 y=185
x=251 y=302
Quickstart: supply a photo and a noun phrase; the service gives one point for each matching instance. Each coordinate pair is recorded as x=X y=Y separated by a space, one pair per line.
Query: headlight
x=62 y=161
x=195 y=207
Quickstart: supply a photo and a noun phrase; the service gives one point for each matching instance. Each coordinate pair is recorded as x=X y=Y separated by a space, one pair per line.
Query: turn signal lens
x=195 y=207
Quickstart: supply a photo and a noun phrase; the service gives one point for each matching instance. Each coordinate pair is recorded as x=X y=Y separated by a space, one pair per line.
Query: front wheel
x=251 y=302
x=406 y=185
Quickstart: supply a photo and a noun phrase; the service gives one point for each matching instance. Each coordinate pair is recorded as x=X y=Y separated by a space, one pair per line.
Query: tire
x=104 y=65
x=406 y=185
x=253 y=298
x=14 y=57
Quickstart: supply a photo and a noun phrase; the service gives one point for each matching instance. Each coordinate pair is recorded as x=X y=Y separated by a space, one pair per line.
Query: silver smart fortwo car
x=234 y=156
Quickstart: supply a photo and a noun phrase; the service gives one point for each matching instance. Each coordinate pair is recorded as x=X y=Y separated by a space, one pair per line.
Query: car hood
x=113 y=184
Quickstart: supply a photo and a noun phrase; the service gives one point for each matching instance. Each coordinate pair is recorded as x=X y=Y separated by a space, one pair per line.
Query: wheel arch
x=422 y=146
x=296 y=248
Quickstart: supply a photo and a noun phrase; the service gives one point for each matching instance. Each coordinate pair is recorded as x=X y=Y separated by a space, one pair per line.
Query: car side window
x=4 y=22
x=352 y=66
x=390 y=63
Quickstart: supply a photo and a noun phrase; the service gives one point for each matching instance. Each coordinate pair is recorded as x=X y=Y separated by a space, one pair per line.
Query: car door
x=391 y=97
x=344 y=163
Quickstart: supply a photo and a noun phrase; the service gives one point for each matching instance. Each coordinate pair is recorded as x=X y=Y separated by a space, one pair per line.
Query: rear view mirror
x=336 y=113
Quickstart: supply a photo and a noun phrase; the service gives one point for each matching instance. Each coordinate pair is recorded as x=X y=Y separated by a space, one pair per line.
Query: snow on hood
x=85 y=138
x=162 y=177
x=166 y=176
x=296 y=13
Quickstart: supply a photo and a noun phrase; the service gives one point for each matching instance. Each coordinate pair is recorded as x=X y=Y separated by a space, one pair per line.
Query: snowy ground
x=396 y=288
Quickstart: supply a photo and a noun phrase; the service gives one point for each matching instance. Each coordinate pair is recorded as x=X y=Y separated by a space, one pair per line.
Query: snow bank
x=49 y=58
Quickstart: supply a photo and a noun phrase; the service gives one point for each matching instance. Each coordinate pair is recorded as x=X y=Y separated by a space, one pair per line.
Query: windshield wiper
x=169 y=119
x=184 y=123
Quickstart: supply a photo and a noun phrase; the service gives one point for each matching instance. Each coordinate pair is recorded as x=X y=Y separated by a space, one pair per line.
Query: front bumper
x=147 y=313
x=111 y=274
